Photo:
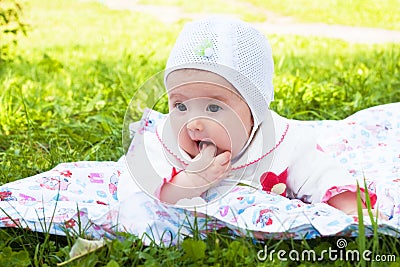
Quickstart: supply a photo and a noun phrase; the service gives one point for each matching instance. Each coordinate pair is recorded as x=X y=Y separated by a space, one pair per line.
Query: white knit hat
x=232 y=49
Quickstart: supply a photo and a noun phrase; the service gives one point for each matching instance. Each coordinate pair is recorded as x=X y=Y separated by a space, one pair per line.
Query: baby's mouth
x=200 y=143
x=205 y=142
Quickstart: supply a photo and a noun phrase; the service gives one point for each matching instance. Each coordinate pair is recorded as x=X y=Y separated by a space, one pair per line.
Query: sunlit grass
x=366 y=13
x=64 y=98
x=240 y=8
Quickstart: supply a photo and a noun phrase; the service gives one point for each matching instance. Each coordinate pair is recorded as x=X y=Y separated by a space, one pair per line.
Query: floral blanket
x=84 y=195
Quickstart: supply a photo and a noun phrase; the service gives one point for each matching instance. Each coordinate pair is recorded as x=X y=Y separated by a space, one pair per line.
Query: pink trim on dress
x=266 y=154
x=174 y=172
x=168 y=150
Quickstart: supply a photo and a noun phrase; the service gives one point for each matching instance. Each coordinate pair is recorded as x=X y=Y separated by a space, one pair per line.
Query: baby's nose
x=195 y=125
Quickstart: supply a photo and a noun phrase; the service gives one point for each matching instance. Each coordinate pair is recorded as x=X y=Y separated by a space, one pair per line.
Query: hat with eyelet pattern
x=232 y=49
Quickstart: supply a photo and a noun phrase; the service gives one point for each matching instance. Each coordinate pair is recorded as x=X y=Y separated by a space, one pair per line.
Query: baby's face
x=207 y=111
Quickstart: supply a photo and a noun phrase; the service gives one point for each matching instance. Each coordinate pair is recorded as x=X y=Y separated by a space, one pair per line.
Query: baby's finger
x=204 y=159
x=208 y=150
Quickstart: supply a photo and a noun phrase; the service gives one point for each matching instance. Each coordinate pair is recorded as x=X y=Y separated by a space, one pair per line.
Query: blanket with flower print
x=82 y=196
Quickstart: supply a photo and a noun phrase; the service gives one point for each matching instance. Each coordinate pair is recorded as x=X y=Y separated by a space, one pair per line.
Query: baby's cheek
x=186 y=144
x=239 y=138
x=223 y=141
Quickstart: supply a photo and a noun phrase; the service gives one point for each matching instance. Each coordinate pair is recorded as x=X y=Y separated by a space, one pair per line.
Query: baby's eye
x=213 y=108
x=181 y=106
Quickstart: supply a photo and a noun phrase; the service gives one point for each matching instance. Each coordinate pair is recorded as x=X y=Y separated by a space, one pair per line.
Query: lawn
x=64 y=96
x=366 y=13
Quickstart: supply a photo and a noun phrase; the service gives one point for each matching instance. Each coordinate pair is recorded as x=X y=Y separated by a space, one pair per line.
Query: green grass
x=242 y=9
x=327 y=79
x=64 y=97
x=366 y=13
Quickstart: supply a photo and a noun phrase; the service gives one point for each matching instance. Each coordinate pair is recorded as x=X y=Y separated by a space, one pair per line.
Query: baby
x=220 y=131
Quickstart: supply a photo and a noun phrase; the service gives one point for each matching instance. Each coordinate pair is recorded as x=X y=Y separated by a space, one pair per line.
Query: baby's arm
x=191 y=183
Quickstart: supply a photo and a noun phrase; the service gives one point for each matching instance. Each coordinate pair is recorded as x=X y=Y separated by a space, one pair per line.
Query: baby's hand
x=204 y=172
x=209 y=168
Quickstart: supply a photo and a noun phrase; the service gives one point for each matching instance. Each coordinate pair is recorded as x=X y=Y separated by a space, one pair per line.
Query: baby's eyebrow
x=226 y=98
x=219 y=97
